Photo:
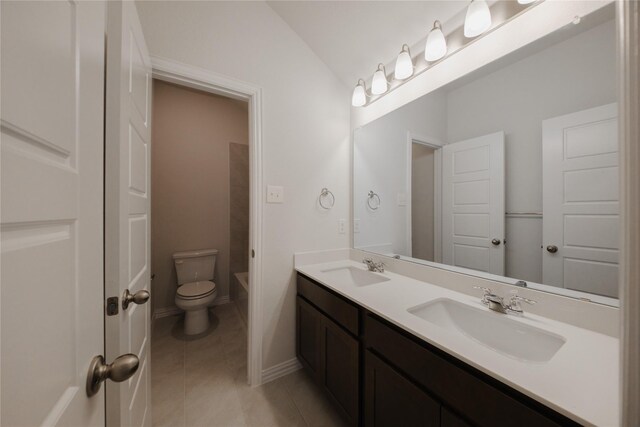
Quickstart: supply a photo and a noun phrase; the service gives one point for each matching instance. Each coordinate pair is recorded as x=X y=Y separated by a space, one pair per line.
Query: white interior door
x=52 y=85
x=580 y=201
x=473 y=203
x=128 y=124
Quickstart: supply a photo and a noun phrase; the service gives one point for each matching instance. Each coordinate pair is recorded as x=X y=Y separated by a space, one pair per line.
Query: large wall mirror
x=510 y=172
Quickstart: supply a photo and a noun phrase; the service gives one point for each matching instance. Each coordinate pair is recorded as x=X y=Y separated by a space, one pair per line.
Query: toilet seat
x=196 y=290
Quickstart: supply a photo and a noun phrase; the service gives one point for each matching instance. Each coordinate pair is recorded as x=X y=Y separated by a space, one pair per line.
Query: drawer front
x=336 y=307
x=455 y=386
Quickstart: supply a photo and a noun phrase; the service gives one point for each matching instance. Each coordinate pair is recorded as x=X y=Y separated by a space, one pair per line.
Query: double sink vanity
x=389 y=349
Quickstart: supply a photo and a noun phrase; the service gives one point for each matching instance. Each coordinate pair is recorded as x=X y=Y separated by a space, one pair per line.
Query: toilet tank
x=194 y=266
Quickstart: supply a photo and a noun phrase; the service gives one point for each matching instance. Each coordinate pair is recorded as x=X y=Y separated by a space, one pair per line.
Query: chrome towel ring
x=373 y=197
x=324 y=193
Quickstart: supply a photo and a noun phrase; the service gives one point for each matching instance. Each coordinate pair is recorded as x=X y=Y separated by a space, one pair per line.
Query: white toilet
x=196 y=290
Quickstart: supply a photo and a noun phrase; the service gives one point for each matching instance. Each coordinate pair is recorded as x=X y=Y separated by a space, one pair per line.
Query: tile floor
x=202 y=381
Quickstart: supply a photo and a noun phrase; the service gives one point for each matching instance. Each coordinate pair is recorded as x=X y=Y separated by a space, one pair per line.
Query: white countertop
x=581 y=381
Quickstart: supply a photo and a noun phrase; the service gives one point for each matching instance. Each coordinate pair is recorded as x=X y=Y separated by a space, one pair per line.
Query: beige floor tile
x=269 y=405
x=202 y=381
x=310 y=400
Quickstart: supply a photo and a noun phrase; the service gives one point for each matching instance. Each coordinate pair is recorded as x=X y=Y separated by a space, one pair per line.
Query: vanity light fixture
x=359 y=97
x=436 y=47
x=404 y=64
x=478 y=18
x=379 y=83
x=477 y=21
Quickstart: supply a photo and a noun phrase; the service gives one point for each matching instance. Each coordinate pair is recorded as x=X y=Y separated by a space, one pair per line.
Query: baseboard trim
x=165 y=312
x=172 y=311
x=280 y=370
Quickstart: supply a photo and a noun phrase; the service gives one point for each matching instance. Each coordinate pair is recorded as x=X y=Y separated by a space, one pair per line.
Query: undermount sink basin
x=353 y=276
x=494 y=330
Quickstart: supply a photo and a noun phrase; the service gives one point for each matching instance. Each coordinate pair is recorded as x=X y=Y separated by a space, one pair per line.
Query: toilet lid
x=196 y=289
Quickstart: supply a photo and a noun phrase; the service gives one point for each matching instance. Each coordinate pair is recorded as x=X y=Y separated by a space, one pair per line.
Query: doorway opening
x=193 y=78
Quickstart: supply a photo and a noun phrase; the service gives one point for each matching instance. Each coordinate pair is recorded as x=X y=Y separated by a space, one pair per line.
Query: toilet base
x=196 y=313
x=196 y=321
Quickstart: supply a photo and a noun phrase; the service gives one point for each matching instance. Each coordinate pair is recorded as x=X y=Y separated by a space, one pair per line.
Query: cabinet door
x=340 y=368
x=308 y=330
x=392 y=400
x=449 y=419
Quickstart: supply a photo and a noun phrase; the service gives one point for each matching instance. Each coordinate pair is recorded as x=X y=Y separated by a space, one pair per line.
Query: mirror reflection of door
x=473 y=203
x=580 y=194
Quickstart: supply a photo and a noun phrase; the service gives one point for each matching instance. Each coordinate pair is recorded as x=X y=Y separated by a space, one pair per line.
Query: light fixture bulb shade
x=478 y=18
x=526 y=1
x=404 y=66
x=359 y=97
x=436 y=47
x=379 y=83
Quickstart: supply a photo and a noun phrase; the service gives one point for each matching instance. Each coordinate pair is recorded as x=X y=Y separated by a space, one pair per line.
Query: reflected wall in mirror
x=510 y=172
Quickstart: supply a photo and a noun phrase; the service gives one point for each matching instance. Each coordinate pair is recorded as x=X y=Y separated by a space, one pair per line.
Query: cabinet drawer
x=456 y=384
x=336 y=307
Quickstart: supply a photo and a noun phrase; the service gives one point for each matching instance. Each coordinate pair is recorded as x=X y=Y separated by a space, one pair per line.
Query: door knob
x=139 y=297
x=495 y=242
x=119 y=370
x=552 y=248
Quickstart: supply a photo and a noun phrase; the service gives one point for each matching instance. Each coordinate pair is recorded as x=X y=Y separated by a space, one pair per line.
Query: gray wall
x=573 y=75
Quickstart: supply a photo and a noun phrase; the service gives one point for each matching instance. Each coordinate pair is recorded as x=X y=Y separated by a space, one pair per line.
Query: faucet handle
x=514 y=302
x=485 y=295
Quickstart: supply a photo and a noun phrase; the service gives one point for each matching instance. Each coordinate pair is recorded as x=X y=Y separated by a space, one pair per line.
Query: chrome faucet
x=374 y=266
x=496 y=302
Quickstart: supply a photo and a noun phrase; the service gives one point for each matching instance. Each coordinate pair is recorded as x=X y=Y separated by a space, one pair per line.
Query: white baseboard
x=172 y=311
x=280 y=370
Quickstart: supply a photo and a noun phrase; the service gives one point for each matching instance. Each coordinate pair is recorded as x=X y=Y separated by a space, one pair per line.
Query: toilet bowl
x=196 y=289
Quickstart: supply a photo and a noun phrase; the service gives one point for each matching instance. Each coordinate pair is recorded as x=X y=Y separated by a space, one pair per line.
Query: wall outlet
x=356 y=225
x=342 y=226
x=275 y=194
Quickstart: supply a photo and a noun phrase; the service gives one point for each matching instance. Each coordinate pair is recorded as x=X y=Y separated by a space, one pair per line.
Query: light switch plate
x=342 y=225
x=275 y=194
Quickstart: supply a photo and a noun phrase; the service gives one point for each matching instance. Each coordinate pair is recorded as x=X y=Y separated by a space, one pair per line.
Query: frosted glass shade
x=359 y=97
x=379 y=83
x=478 y=18
x=525 y=1
x=404 y=65
x=436 y=47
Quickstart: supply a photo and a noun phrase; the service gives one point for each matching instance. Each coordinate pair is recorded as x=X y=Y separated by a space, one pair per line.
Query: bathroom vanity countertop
x=581 y=381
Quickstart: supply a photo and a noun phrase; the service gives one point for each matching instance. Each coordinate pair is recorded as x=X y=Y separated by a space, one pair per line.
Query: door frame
x=207 y=81
x=436 y=144
x=628 y=34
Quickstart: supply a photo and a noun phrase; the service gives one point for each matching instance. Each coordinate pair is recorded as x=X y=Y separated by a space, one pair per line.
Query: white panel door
x=580 y=201
x=128 y=124
x=473 y=203
x=52 y=85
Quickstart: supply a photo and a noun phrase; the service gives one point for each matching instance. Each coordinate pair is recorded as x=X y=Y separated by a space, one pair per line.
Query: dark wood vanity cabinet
x=327 y=350
x=392 y=400
x=380 y=375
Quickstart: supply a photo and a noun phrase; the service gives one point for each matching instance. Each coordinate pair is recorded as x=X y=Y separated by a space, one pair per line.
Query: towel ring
x=324 y=193
x=372 y=196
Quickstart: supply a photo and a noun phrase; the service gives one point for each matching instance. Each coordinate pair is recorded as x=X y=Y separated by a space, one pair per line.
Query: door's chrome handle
x=552 y=249
x=495 y=242
x=121 y=369
x=139 y=297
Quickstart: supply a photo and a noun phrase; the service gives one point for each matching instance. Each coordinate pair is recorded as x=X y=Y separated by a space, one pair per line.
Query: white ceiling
x=352 y=37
